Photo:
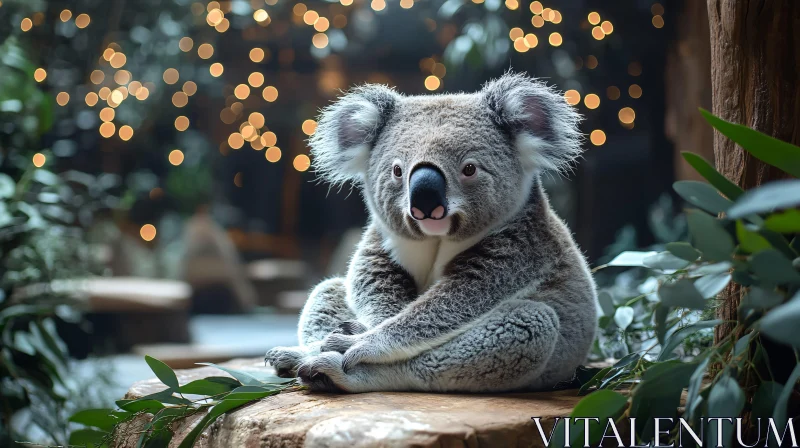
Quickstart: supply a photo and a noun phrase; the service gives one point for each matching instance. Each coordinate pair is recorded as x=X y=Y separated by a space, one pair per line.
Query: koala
x=465 y=280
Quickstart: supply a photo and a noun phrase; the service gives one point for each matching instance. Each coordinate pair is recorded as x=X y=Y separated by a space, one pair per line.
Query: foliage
x=151 y=420
x=748 y=238
x=41 y=241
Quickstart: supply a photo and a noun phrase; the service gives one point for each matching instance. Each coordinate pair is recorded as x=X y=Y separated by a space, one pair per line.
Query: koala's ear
x=543 y=126
x=347 y=130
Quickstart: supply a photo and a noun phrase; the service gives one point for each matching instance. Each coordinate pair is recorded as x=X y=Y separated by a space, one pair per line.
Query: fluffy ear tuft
x=347 y=130
x=544 y=127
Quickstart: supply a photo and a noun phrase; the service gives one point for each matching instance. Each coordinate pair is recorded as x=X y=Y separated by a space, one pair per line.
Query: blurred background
x=154 y=173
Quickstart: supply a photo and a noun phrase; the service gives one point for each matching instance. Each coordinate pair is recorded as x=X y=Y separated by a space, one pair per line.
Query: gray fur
x=503 y=301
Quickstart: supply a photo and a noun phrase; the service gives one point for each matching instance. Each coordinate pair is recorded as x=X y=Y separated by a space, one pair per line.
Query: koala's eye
x=469 y=170
x=397 y=171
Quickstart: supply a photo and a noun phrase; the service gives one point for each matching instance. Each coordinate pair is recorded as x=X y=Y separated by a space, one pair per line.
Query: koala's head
x=449 y=166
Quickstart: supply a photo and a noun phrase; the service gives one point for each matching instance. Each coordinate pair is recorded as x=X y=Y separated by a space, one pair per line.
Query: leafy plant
x=735 y=236
x=160 y=413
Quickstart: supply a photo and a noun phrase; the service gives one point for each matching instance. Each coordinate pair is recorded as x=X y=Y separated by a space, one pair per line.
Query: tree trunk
x=755 y=80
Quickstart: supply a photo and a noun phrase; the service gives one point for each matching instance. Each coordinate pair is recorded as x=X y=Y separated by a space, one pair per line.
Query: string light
x=301 y=162
x=658 y=21
x=186 y=44
x=65 y=15
x=531 y=40
x=82 y=21
x=520 y=45
x=433 y=83
x=270 y=94
x=107 y=114
x=256 y=119
x=592 y=101
x=40 y=74
x=309 y=127
x=62 y=98
x=180 y=99
x=182 y=123
x=235 y=140
x=597 y=137
x=256 y=55
x=118 y=60
x=598 y=33
x=555 y=39
x=216 y=69
x=255 y=79
x=573 y=97
x=594 y=18
x=322 y=24
x=320 y=40
x=171 y=76
x=269 y=139
x=148 y=232
x=512 y=4
x=607 y=27
x=626 y=115
x=378 y=5
x=91 y=99
x=537 y=21
x=189 y=88
x=125 y=133
x=635 y=91
x=175 y=157
x=536 y=7
x=406 y=4
x=26 y=24
x=205 y=51
x=107 y=129
x=273 y=154
x=242 y=91
x=39 y=160
x=122 y=77
x=309 y=17
x=515 y=33
x=97 y=77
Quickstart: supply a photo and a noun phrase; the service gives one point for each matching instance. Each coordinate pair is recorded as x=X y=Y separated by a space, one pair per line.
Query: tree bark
x=755 y=80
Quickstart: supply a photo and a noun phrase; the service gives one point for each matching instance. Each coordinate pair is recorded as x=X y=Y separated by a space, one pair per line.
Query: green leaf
x=163 y=372
x=606 y=303
x=602 y=404
x=710 y=285
x=623 y=317
x=774 y=268
x=763 y=147
x=213 y=385
x=780 y=323
x=221 y=408
x=7 y=186
x=766 y=198
x=714 y=268
x=630 y=258
x=781 y=405
x=251 y=377
x=742 y=344
x=765 y=399
x=158 y=439
x=725 y=400
x=665 y=261
x=693 y=391
x=750 y=241
x=683 y=250
x=594 y=381
x=761 y=298
x=659 y=394
x=87 y=438
x=702 y=195
x=709 y=237
x=726 y=187
x=676 y=338
x=784 y=222
x=99 y=418
x=151 y=406
x=681 y=294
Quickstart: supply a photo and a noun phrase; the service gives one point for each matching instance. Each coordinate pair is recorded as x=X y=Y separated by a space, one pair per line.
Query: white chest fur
x=426 y=259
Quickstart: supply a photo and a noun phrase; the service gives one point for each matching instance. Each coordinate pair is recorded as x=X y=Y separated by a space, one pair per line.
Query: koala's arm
x=474 y=283
x=378 y=287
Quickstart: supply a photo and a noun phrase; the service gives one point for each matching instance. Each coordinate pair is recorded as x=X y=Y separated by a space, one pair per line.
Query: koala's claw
x=285 y=360
x=351 y=327
x=317 y=373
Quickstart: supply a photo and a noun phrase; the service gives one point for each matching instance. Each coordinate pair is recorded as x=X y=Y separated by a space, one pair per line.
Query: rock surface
x=384 y=419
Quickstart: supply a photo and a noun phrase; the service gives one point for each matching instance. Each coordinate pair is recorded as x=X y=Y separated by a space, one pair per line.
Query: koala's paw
x=351 y=327
x=338 y=342
x=323 y=373
x=285 y=360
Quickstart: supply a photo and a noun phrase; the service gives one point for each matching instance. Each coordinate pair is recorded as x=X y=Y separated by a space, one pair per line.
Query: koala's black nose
x=427 y=192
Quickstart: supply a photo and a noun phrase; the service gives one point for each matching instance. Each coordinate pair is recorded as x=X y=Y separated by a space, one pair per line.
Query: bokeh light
x=273 y=154
x=573 y=97
x=597 y=137
x=148 y=232
x=125 y=133
x=432 y=82
x=301 y=162
x=242 y=91
x=39 y=160
x=635 y=91
x=62 y=98
x=592 y=101
x=182 y=123
x=175 y=157
x=270 y=94
x=39 y=74
x=309 y=127
x=255 y=79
